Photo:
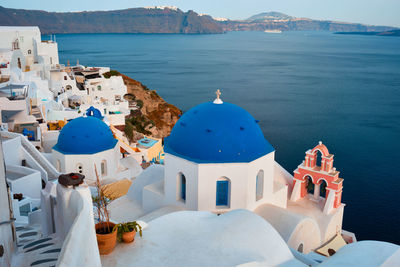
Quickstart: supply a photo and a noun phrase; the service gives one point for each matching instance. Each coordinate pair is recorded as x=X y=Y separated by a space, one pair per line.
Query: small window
x=260 y=185
x=300 y=248
x=181 y=187
x=65 y=78
x=99 y=87
x=29 y=52
x=103 y=168
x=80 y=168
x=58 y=166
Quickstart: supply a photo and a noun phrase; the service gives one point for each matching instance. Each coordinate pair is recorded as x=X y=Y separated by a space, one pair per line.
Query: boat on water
x=273 y=31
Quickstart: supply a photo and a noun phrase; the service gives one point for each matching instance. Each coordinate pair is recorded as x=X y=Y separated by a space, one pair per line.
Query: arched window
x=310 y=185
x=260 y=185
x=104 y=168
x=322 y=189
x=318 y=158
x=29 y=52
x=58 y=166
x=223 y=192
x=79 y=168
x=181 y=189
x=300 y=248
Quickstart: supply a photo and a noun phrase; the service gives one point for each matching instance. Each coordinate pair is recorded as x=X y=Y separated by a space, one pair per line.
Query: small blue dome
x=85 y=135
x=217 y=133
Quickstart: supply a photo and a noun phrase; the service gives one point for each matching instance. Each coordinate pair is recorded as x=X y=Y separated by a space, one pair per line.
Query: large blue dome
x=85 y=135
x=217 y=133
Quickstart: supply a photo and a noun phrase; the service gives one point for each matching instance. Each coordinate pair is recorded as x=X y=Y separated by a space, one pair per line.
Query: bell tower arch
x=325 y=179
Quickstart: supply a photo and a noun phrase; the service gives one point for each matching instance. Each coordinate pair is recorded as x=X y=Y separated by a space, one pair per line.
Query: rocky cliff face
x=132 y=20
x=154 y=116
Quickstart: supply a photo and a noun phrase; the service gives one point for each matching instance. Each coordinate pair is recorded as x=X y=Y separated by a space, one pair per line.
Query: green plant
x=127 y=227
x=110 y=73
x=139 y=103
x=101 y=202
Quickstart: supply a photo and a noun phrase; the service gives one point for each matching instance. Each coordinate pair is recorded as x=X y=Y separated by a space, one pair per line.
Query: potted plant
x=105 y=230
x=127 y=231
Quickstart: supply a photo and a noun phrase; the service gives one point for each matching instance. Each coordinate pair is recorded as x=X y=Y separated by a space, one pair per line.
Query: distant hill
x=269 y=16
x=283 y=22
x=133 y=20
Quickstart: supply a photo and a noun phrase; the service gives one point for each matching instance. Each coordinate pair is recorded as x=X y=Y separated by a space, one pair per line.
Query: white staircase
x=41 y=160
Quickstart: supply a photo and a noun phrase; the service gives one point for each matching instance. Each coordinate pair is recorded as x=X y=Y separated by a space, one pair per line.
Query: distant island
x=168 y=20
x=385 y=33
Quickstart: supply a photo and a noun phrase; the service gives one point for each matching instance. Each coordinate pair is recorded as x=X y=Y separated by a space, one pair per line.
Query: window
x=260 y=185
x=223 y=192
x=300 y=248
x=65 y=78
x=58 y=166
x=104 y=168
x=68 y=87
x=80 y=168
x=99 y=87
x=29 y=52
x=181 y=187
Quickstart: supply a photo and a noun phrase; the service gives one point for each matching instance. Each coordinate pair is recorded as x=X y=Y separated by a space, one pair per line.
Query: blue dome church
x=84 y=143
x=217 y=159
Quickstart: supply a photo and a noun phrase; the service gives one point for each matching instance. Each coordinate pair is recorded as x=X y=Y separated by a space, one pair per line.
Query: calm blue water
x=303 y=86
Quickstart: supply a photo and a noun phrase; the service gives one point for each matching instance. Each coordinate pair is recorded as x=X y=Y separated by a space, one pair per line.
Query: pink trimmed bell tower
x=324 y=175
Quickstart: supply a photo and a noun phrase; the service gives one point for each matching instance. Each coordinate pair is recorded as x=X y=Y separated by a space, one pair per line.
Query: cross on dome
x=218 y=100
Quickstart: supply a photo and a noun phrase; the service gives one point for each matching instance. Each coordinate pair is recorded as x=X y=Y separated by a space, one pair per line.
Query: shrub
x=110 y=73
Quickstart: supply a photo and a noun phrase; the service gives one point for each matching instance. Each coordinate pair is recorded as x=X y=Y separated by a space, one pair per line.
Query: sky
x=374 y=12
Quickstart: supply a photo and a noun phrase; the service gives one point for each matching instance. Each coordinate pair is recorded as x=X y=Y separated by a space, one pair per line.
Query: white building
x=217 y=159
x=86 y=142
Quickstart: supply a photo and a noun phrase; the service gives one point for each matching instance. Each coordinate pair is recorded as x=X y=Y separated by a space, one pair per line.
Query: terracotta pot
x=106 y=242
x=128 y=237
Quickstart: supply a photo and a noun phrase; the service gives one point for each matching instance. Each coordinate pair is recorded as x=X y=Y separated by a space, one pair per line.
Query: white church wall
x=265 y=164
x=329 y=228
x=209 y=174
x=174 y=166
x=70 y=163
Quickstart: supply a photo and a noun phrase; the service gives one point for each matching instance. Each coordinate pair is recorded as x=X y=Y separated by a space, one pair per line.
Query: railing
x=36 y=155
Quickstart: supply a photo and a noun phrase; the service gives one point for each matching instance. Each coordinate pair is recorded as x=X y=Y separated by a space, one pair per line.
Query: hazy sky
x=377 y=12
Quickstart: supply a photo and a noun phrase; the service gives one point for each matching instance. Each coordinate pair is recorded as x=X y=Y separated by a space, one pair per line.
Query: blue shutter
x=222 y=193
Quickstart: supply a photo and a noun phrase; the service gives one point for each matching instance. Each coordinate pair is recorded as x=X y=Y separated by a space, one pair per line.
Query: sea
x=304 y=87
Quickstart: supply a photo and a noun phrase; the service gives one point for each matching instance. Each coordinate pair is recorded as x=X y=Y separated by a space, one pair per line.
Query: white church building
x=86 y=143
x=217 y=159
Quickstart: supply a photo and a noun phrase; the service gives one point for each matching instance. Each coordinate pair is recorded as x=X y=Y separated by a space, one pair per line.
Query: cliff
x=167 y=20
x=133 y=20
x=154 y=115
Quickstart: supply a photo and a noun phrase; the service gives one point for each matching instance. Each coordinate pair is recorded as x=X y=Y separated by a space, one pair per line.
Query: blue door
x=222 y=193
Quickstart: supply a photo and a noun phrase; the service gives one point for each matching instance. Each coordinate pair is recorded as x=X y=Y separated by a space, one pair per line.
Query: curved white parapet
x=76 y=224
